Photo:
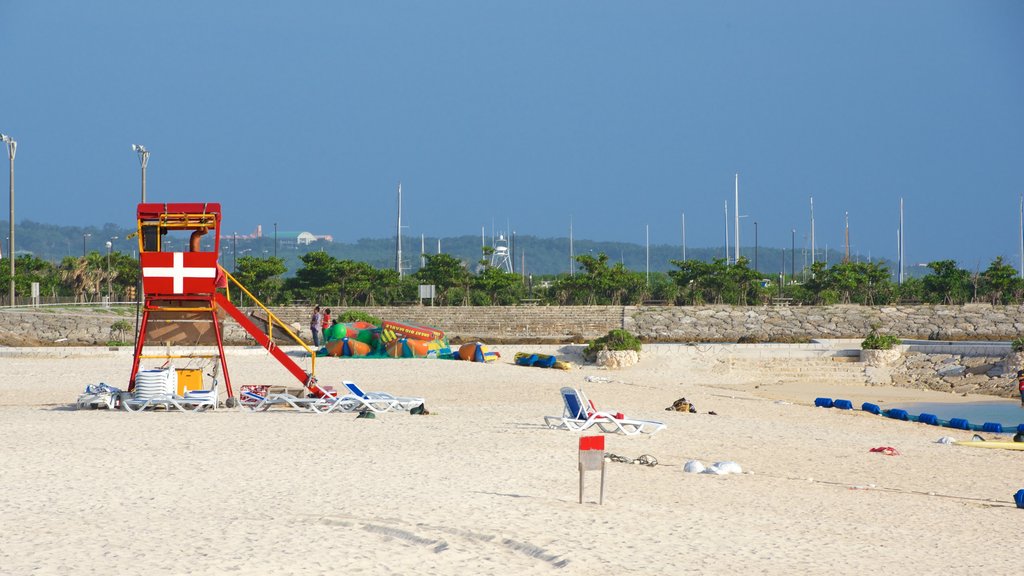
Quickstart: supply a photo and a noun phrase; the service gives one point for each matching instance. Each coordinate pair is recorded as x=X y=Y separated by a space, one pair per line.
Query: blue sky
x=523 y=114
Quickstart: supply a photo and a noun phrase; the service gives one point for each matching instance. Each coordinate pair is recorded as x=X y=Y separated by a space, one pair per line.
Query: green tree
x=718 y=282
x=946 y=284
x=446 y=273
x=316 y=280
x=29 y=269
x=262 y=277
x=999 y=282
x=600 y=284
x=497 y=286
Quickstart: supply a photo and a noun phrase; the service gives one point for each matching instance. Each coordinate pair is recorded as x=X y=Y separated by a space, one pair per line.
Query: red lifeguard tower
x=181 y=288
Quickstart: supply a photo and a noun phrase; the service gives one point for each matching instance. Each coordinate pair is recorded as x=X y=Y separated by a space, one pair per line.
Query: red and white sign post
x=592 y=458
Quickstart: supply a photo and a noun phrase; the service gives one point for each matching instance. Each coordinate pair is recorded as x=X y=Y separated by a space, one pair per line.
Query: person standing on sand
x=314 y=325
x=325 y=323
x=1020 y=385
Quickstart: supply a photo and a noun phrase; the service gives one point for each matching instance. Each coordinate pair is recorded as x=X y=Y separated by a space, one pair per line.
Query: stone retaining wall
x=90 y=326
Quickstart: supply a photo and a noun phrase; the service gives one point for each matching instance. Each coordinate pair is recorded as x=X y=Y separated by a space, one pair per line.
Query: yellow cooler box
x=189 y=379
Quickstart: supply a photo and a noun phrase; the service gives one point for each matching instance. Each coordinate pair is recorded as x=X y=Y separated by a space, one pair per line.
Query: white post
x=398 y=235
x=684 y=237
x=736 y=215
x=812 y=230
x=572 y=256
x=727 y=232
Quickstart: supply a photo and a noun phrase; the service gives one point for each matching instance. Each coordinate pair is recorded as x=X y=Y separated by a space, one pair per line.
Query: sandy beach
x=480 y=486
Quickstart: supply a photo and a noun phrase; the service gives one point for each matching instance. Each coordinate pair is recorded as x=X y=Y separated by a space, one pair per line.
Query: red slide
x=305 y=377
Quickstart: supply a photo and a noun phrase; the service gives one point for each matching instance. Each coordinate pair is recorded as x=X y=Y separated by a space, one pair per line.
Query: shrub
x=876 y=341
x=357 y=316
x=1018 y=344
x=118 y=332
x=614 y=340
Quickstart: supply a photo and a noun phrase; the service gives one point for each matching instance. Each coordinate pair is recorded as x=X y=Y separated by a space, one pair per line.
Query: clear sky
x=523 y=114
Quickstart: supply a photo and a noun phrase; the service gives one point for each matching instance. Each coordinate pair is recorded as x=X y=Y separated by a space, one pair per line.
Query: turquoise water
x=1009 y=413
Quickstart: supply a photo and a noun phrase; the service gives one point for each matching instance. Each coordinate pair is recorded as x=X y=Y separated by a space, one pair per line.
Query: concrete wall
x=90 y=326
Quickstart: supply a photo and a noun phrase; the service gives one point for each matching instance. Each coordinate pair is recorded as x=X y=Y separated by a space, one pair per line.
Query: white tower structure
x=500 y=257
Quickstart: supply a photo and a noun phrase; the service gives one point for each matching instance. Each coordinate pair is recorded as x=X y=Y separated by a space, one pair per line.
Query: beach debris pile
x=643 y=459
x=98 y=396
x=682 y=405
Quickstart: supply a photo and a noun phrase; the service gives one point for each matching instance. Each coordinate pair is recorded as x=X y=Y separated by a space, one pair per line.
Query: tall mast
x=847 y=258
x=726 y=231
x=812 y=230
x=736 y=215
x=398 y=235
x=899 y=247
x=572 y=256
x=684 y=236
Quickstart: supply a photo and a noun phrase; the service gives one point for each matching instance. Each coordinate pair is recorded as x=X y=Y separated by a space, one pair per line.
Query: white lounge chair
x=383 y=401
x=579 y=414
x=260 y=403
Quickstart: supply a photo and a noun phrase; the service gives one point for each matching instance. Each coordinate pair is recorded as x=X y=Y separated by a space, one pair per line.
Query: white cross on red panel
x=179 y=272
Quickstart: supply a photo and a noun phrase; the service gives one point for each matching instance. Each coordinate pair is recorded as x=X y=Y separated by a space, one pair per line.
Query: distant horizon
x=618 y=117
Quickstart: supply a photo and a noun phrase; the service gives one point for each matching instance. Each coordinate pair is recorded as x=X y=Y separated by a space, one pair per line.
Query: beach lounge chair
x=383 y=401
x=580 y=414
x=260 y=403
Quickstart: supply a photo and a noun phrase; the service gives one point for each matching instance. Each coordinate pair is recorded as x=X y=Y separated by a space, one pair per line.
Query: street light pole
x=12 y=148
x=275 y=239
x=143 y=160
x=109 y=246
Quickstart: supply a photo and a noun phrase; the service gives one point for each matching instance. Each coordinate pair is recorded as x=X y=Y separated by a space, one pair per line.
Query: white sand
x=481 y=487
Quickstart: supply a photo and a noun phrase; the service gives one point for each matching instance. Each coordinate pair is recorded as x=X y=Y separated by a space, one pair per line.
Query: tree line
x=325 y=279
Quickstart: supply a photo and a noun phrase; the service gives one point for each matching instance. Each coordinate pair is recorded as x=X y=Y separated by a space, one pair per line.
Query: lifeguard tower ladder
x=181 y=290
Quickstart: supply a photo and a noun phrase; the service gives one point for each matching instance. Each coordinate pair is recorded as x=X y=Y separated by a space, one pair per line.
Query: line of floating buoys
x=923 y=418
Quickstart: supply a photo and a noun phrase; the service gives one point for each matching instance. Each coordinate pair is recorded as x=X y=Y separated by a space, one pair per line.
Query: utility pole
x=12 y=149
x=143 y=161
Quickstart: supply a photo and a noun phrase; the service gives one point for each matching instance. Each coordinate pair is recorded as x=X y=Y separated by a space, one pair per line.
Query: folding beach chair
x=579 y=414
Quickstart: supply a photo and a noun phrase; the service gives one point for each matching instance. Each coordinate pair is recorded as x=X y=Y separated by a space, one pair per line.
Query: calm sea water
x=1009 y=413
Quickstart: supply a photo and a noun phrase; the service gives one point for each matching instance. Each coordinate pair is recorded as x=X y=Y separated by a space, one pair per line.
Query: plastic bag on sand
x=946 y=440
x=723 y=468
x=694 y=467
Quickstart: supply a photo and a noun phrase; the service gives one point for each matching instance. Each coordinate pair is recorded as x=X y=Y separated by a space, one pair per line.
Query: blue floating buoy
x=1019 y=498
x=843 y=404
x=872 y=408
x=897 y=414
x=960 y=423
x=992 y=427
x=930 y=419
x=823 y=402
